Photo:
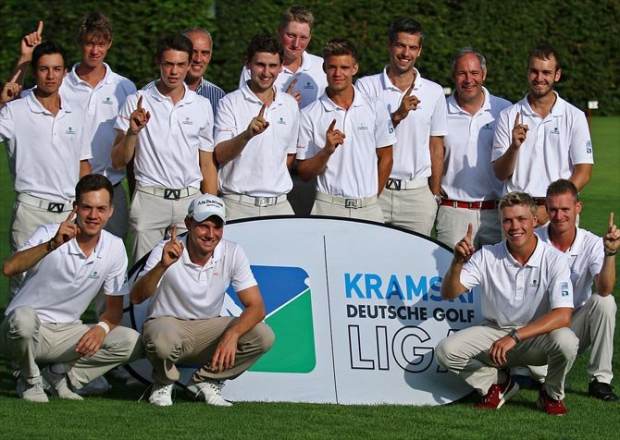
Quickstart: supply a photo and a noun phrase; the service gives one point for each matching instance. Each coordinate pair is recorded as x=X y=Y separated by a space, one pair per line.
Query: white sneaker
x=210 y=392
x=161 y=394
x=95 y=387
x=59 y=385
x=34 y=392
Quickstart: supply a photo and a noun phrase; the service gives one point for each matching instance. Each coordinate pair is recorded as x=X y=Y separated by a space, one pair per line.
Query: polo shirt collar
x=576 y=247
x=557 y=110
x=249 y=95
x=331 y=106
x=535 y=258
x=454 y=107
x=75 y=79
x=387 y=83
x=217 y=255
x=188 y=97
x=36 y=107
x=306 y=64
x=74 y=249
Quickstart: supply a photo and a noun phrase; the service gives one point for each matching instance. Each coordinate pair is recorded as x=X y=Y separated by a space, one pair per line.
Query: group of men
x=389 y=148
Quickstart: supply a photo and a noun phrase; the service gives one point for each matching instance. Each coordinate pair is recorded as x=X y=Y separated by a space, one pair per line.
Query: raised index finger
x=262 y=111
x=173 y=233
x=517 y=117
x=410 y=89
x=469 y=232
x=40 y=28
x=332 y=125
x=139 y=103
x=291 y=85
x=15 y=76
x=611 y=220
x=71 y=215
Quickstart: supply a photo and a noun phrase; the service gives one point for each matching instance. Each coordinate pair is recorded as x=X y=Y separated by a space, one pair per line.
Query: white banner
x=356 y=310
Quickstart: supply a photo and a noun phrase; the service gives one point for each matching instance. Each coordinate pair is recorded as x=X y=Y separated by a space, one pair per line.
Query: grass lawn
x=120 y=415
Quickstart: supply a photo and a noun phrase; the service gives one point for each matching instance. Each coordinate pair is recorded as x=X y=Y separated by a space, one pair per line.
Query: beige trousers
x=236 y=209
x=370 y=212
x=452 y=225
x=411 y=209
x=29 y=342
x=466 y=353
x=169 y=342
x=118 y=223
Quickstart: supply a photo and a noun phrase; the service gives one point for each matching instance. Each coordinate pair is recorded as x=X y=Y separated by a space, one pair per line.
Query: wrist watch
x=513 y=334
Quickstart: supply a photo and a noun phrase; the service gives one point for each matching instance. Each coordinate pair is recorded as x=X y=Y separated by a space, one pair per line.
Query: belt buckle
x=455 y=203
x=261 y=202
x=55 y=207
x=352 y=203
x=172 y=194
x=395 y=184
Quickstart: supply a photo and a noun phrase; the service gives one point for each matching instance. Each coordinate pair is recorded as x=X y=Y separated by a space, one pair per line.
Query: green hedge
x=585 y=32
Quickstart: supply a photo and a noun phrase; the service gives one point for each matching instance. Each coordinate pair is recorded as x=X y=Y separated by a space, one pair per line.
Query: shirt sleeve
x=503 y=135
x=116 y=277
x=581 y=145
x=7 y=124
x=206 y=131
x=439 y=118
x=153 y=259
x=384 y=129
x=242 y=276
x=597 y=257
x=122 y=120
x=225 y=124
x=306 y=145
x=86 y=150
x=364 y=86
x=471 y=274
x=245 y=75
x=292 y=142
x=560 y=289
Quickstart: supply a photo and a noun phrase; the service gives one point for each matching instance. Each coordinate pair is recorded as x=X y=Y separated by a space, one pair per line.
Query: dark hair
x=46 y=48
x=93 y=182
x=562 y=186
x=96 y=25
x=174 y=42
x=404 y=24
x=263 y=43
x=299 y=14
x=339 y=46
x=545 y=51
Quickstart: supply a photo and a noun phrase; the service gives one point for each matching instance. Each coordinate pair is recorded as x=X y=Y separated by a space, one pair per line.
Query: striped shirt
x=210 y=91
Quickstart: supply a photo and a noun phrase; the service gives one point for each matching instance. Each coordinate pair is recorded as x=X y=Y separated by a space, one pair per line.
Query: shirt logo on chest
x=362 y=127
x=107 y=101
x=71 y=130
x=187 y=121
x=488 y=126
x=555 y=131
x=281 y=121
x=94 y=275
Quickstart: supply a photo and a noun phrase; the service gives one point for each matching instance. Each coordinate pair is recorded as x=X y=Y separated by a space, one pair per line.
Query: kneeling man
x=66 y=266
x=527 y=303
x=187 y=279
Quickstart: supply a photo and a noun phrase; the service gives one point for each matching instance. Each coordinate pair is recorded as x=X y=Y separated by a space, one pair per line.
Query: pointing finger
x=332 y=125
x=15 y=76
x=262 y=111
x=291 y=86
x=139 y=103
x=40 y=28
x=517 y=117
x=173 y=233
x=469 y=232
x=410 y=89
x=611 y=220
x=71 y=215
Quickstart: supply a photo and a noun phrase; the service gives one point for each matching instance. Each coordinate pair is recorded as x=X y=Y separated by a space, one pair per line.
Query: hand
x=408 y=103
x=11 y=89
x=294 y=93
x=464 y=249
x=67 y=230
x=258 y=124
x=500 y=348
x=224 y=356
x=333 y=138
x=519 y=132
x=611 y=240
x=138 y=118
x=91 y=341
x=173 y=249
x=30 y=41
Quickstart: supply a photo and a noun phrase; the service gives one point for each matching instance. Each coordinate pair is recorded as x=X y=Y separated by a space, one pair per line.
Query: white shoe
x=34 y=392
x=210 y=392
x=161 y=394
x=59 y=385
x=95 y=387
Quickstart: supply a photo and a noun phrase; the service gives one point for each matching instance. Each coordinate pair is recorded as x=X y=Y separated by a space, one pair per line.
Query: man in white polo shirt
x=169 y=129
x=527 y=303
x=469 y=184
x=66 y=266
x=187 y=279
x=256 y=133
x=542 y=138
x=346 y=140
x=44 y=138
x=418 y=110
x=593 y=261
x=302 y=73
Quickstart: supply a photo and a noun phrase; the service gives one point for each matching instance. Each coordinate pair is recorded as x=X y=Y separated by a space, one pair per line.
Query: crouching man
x=187 y=278
x=527 y=302
x=66 y=266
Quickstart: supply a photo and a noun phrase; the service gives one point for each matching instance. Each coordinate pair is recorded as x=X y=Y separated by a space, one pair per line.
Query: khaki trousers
x=118 y=223
x=371 y=212
x=28 y=342
x=411 y=209
x=466 y=353
x=452 y=225
x=170 y=341
x=236 y=209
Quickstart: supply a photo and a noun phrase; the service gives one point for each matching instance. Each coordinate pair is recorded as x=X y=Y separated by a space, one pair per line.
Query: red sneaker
x=498 y=394
x=550 y=406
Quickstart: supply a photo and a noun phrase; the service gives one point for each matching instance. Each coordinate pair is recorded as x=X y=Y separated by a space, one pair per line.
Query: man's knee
x=444 y=352
x=564 y=341
x=160 y=342
x=604 y=307
x=125 y=343
x=262 y=337
x=23 y=323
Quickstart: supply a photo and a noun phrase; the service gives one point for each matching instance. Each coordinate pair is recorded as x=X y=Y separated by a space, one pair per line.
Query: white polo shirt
x=468 y=173
x=101 y=105
x=352 y=170
x=62 y=285
x=515 y=295
x=552 y=148
x=190 y=291
x=44 y=150
x=586 y=261
x=167 y=149
x=412 y=157
x=311 y=81
x=260 y=170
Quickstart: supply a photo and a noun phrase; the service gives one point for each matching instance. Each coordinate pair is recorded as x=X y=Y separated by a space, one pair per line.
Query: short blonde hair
x=299 y=14
x=516 y=198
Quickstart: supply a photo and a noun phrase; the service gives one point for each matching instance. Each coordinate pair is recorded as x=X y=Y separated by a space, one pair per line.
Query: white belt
x=400 y=184
x=260 y=202
x=50 y=206
x=345 y=201
x=169 y=193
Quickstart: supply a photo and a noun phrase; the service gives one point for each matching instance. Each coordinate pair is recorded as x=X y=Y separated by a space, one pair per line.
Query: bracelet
x=50 y=246
x=105 y=326
x=610 y=254
x=513 y=334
